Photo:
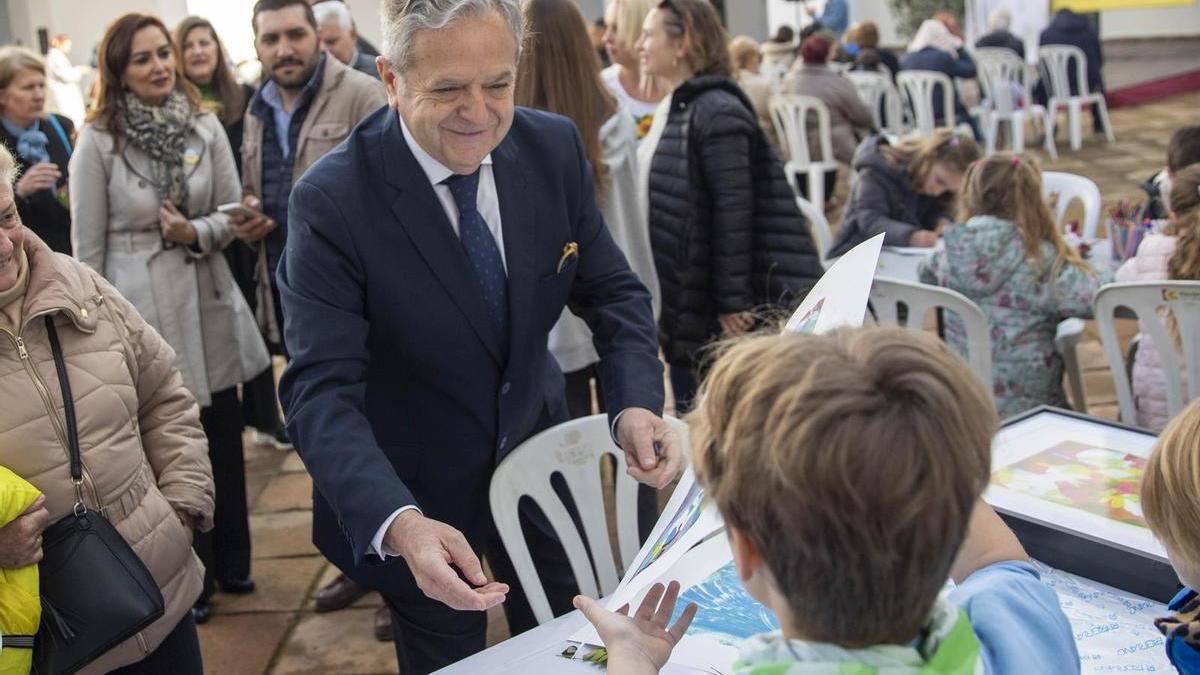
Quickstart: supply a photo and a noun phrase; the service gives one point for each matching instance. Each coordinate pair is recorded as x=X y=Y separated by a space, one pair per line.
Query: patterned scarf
x=947 y=647
x=1184 y=624
x=162 y=132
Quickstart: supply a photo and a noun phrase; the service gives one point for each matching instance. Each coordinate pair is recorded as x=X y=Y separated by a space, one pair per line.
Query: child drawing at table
x=1009 y=258
x=905 y=190
x=1171 y=502
x=848 y=468
x=1173 y=253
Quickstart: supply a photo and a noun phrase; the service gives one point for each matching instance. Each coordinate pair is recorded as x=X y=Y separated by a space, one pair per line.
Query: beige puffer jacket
x=143 y=450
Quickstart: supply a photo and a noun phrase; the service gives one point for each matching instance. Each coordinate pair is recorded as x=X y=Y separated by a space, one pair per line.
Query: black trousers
x=260 y=406
x=428 y=635
x=179 y=654
x=225 y=551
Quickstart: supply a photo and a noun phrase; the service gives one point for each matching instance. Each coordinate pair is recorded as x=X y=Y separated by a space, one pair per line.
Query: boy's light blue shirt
x=1019 y=623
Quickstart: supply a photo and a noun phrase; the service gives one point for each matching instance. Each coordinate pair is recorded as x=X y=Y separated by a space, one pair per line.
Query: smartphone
x=237 y=209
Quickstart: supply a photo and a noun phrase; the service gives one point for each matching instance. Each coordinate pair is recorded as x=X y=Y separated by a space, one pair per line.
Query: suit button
x=506 y=388
x=504 y=442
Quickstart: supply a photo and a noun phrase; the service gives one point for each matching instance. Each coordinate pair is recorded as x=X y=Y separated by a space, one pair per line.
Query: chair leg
x=1018 y=133
x=1067 y=336
x=816 y=188
x=1075 y=124
x=1108 y=130
x=1050 y=147
x=992 y=122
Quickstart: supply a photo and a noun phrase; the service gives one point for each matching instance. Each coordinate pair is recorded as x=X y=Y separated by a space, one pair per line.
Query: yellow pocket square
x=570 y=251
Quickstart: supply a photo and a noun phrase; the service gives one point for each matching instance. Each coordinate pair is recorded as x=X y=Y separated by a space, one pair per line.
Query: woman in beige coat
x=147 y=176
x=143 y=451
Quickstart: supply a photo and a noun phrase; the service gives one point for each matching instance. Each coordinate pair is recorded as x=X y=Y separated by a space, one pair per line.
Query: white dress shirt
x=487 y=201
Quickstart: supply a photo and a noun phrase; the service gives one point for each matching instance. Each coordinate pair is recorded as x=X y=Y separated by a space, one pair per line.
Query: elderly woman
x=729 y=242
x=747 y=59
x=40 y=144
x=148 y=174
x=141 y=444
x=849 y=118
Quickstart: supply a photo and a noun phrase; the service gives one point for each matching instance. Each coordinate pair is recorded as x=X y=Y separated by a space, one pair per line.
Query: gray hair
x=324 y=11
x=403 y=19
x=1000 y=19
x=8 y=167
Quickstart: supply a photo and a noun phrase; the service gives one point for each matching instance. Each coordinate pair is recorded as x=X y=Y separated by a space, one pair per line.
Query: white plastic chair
x=887 y=295
x=1054 y=62
x=881 y=98
x=917 y=87
x=819 y=225
x=1145 y=299
x=1008 y=95
x=575 y=451
x=1070 y=187
x=790 y=113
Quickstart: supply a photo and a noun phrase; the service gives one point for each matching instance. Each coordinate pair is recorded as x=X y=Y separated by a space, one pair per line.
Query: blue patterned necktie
x=482 y=249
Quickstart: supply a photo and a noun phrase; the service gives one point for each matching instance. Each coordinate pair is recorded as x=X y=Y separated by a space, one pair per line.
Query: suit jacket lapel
x=418 y=210
x=519 y=231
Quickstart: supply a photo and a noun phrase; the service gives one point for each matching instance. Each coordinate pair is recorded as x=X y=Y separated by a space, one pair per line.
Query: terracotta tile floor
x=275 y=630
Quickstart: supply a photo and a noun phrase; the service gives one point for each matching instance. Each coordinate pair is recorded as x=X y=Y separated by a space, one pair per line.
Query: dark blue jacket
x=398 y=392
x=932 y=58
x=1069 y=28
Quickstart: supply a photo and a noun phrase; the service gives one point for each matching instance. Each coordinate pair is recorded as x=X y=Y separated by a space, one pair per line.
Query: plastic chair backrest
x=881 y=98
x=1150 y=300
x=1002 y=76
x=1070 y=187
x=790 y=113
x=1054 y=61
x=818 y=224
x=887 y=295
x=575 y=451
x=917 y=87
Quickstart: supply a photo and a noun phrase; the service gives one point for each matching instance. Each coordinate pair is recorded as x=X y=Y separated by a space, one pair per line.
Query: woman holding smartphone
x=148 y=174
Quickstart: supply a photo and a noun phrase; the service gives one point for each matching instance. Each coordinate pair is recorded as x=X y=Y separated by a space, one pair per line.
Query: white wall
x=83 y=20
x=1145 y=23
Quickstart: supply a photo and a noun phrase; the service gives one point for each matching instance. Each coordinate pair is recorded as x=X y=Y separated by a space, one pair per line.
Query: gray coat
x=189 y=296
x=848 y=115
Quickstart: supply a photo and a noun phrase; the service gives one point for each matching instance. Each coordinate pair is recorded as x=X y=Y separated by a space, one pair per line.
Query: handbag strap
x=62 y=135
x=64 y=383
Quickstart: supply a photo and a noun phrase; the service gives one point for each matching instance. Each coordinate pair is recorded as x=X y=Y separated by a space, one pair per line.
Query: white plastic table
x=1114 y=632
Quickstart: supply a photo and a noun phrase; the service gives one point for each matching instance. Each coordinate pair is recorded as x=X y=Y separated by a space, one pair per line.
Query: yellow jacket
x=20 y=605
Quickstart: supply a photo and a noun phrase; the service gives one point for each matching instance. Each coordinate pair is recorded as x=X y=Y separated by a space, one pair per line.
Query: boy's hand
x=641 y=643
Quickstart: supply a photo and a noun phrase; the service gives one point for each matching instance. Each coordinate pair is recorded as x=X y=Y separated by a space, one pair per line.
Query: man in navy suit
x=430 y=255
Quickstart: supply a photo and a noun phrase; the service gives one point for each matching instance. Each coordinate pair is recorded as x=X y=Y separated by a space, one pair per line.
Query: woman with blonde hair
x=636 y=92
x=147 y=178
x=41 y=145
x=747 y=59
x=1008 y=257
x=1170 y=254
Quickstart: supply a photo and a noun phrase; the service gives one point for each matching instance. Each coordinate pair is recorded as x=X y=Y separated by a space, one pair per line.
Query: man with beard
x=307 y=104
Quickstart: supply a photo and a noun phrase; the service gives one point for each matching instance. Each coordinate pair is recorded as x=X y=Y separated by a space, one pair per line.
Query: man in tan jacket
x=308 y=104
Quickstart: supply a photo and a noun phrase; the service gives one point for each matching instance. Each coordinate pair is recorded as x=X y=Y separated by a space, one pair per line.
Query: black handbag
x=96 y=592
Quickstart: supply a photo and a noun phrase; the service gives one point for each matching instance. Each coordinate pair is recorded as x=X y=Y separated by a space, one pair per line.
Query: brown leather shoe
x=339 y=594
x=383 y=623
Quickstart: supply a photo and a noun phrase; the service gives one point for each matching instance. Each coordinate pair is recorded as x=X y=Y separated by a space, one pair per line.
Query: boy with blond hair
x=1171 y=502
x=848 y=468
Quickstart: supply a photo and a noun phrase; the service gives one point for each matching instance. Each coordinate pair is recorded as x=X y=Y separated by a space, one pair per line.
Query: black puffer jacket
x=726 y=232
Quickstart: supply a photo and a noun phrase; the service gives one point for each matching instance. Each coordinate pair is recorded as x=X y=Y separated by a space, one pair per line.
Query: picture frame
x=1069 y=486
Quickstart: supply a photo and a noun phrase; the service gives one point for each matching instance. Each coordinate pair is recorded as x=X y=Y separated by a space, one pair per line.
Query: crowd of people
x=508 y=218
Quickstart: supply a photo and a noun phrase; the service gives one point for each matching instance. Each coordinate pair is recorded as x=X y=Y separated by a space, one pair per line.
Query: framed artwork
x=1075 y=474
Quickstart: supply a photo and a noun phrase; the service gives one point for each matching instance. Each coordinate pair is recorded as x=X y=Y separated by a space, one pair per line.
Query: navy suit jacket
x=398 y=392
